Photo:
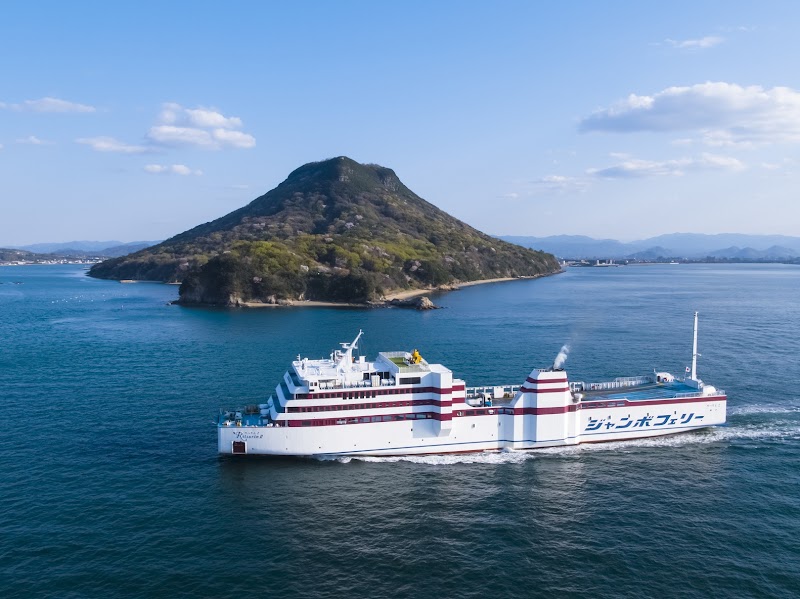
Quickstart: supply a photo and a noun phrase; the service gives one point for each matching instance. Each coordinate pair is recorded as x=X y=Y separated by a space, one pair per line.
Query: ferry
x=399 y=404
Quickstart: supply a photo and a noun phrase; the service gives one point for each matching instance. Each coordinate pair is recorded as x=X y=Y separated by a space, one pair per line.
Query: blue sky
x=613 y=119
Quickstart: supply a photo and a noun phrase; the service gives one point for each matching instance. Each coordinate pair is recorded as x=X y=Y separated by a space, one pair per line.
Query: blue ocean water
x=110 y=483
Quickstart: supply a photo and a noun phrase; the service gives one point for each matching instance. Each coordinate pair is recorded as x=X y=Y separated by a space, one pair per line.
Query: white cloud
x=175 y=114
x=201 y=127
x=182 y=169
x=236 y=139
x=703 y=42
x=723 y=114
x=633 y=168
x=558 y=184
x=34 y=141
x=548 y=185
x=49 y=105
x=109 y=144
x=179 y=127
x=170 y=135
x=201 y=117
x=175 y=169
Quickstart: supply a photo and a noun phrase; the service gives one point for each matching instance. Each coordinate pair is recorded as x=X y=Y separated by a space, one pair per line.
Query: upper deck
x=343 y=369
x=641 y=389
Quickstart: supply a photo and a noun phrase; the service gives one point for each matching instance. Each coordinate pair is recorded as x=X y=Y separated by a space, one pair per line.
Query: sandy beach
x=409 y=293
x=398 y=295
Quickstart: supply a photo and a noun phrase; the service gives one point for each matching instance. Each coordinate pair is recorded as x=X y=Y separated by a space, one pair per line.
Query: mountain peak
x=336 y=230
x=344 y=170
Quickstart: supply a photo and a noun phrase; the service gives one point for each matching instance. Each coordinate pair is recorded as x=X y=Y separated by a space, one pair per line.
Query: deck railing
x=404 y=368
x=618 y=383
x=476 y=391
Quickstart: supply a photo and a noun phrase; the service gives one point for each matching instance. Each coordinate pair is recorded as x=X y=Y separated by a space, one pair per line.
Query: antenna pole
x=694 y=350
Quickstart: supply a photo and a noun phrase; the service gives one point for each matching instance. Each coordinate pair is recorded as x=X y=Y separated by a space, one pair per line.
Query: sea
x=111 y=486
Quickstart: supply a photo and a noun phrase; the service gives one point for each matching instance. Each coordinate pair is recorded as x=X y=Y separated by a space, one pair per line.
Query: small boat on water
x=399 y=404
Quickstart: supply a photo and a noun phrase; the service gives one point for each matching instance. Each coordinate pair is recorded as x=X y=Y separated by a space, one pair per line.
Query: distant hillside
x=748 y=253
x=15 y=255
x=675 y=245
x=333 y=230
x=574 y=246
x=110 y=249
x=127 y=248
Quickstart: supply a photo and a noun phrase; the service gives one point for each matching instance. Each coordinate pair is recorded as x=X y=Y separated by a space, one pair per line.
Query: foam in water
x=764 y=409
x=746 y=431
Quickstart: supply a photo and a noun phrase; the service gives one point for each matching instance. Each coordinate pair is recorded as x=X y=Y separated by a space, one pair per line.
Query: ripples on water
x=111 y=485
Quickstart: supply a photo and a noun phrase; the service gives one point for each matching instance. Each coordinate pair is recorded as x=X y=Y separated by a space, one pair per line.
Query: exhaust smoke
x=561 y=357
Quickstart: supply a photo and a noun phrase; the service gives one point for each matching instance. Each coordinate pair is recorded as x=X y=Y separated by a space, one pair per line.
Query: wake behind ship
x=399 y=404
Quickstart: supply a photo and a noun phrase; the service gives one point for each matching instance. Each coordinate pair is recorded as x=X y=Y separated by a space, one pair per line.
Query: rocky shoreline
x=416 y=299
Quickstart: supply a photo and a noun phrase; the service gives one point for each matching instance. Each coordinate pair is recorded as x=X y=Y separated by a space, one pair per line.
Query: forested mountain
x=333 y=230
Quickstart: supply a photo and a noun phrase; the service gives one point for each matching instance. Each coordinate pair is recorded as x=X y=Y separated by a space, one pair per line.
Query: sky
x=625 y=120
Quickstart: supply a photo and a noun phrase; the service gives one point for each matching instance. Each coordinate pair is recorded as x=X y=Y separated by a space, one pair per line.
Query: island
x=333 y=231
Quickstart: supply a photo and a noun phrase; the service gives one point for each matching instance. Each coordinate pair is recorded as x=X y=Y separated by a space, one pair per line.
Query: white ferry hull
x=498 y=432
x=400 y=404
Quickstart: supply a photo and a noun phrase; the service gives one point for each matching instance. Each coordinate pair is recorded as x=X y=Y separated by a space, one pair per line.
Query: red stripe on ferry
x=530 y=380
x=352 y=393
x=494 y=411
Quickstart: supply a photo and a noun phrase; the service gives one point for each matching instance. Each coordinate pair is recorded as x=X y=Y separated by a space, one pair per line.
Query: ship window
x=387 y=418
x=307 y=422
x=340 y=421
x=364 y=419
x=376 y=419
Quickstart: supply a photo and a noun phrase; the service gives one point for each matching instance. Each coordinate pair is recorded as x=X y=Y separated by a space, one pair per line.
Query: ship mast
x=347 y=356
x=694 y=350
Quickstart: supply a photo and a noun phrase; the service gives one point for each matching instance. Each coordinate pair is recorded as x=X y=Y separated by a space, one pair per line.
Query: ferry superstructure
x=399 y=404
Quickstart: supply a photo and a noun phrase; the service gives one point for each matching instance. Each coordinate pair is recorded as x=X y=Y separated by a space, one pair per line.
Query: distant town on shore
x=573 y=249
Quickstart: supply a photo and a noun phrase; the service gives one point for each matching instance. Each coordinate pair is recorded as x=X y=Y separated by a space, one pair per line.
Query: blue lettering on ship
x=597 y=424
